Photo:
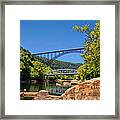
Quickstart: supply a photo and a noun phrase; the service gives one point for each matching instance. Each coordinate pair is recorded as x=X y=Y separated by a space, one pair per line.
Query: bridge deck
x=64 y=50
x=61 y=74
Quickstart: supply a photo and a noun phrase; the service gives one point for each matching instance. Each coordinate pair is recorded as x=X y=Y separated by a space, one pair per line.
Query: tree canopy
x=91 y=67
x=30 y=68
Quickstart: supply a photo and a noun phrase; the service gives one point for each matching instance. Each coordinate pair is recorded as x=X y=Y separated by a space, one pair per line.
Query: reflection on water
x=51 y=87
x=57 y=90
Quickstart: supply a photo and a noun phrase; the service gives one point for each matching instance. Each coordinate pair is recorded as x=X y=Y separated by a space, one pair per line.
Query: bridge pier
x=48 y=55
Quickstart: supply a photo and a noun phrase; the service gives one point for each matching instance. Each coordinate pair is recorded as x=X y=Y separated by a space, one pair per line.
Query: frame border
x=61 y=2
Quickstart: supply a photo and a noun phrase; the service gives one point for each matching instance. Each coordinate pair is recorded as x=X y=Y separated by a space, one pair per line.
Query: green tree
x=25 y=63
x=30 y=68
x=38 y=70
x=91 y=67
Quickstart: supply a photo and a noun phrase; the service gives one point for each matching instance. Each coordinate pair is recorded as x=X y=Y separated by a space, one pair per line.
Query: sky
x=49 y=35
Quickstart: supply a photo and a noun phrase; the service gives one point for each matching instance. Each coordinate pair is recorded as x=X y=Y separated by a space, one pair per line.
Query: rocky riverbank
x=88 y=90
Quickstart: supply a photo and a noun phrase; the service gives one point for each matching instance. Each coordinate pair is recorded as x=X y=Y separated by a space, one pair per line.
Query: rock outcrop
x=88 y=90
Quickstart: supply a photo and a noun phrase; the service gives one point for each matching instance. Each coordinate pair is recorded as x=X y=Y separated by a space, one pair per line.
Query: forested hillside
x=56 y=64
x=30 y=68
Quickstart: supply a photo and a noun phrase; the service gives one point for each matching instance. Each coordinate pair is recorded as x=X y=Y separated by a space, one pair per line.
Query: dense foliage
x=30 y=68
x=25 y=65
x=91 y=67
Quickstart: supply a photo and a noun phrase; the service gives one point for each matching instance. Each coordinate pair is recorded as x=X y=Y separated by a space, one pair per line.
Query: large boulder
x=88 y=90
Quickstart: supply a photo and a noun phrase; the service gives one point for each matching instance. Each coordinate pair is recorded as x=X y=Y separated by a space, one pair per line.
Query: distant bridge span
x=57 y=53
x=63 y=72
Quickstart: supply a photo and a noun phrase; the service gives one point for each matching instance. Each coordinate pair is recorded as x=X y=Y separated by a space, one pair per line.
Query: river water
x=52 y=88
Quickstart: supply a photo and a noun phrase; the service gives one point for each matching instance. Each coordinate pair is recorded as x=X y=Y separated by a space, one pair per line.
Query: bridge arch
x=62 y=54
x=55 y=54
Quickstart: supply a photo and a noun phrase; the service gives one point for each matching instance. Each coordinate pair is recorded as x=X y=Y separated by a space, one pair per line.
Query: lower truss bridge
x=57 y=53
x=63 y=72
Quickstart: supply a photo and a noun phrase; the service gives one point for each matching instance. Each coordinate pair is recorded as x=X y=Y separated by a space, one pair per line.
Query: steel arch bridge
x=55 y=54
